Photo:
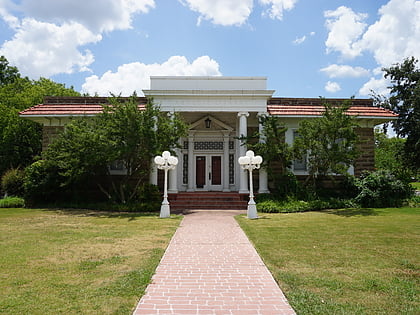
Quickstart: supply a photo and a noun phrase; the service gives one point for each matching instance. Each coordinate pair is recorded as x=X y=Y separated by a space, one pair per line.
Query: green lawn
x=416 y=185
x=56 y=262
x=343 y=261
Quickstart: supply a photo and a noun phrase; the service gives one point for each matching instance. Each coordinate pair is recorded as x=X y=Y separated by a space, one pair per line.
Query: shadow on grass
x=130 y=216
x=351 y=212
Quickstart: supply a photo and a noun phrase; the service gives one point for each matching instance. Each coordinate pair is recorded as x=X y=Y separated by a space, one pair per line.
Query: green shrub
x=414 y=201
x=41 y=182
x=269 y=206
x=382 y=189
x=12 y=202
x=149 y=193
x=12 y=182
x=274 y=205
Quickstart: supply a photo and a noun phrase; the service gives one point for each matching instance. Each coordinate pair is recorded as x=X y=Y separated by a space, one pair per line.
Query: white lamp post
x=165 y=162
x=250 y=162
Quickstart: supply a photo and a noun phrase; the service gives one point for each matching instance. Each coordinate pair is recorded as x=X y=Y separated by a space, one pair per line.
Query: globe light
x=250 y=162
x=165 y=162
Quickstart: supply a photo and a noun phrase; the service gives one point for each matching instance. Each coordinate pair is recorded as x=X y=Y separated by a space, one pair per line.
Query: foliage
x=24 y=93
x=12 y=182
x=271 y=145
x=121 y=133
x=41 y=182
x=8 y=74
x=329 y=141
x=12 y=202
x=290 y=205
x=20 y=140
x=382 y=189
x=82 y=150
x=405 y=101
x=389 y=154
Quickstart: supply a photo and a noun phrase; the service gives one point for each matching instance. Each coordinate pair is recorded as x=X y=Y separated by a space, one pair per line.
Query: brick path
x=210 y=267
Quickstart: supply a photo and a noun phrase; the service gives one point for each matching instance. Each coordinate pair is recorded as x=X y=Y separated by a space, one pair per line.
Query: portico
x=219 y=110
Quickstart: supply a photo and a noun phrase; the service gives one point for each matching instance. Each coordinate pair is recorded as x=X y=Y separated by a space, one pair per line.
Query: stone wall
x=366 y=147
x=49 y=133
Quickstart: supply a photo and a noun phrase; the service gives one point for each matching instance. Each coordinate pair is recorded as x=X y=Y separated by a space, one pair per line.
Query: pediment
x=215 y=124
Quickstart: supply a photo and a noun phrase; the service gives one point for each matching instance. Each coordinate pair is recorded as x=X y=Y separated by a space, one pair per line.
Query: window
x=117 y=168
x=300 y=164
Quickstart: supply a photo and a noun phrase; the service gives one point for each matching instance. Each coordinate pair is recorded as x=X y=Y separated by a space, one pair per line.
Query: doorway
x=208 y=172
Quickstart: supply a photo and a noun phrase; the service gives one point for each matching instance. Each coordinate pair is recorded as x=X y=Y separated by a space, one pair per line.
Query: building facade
x=219 y=110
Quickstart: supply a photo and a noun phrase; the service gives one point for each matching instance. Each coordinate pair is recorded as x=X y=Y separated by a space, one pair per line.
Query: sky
x=305 y=48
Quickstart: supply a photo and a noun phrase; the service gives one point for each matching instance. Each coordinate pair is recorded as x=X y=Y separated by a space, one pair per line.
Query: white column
x=190 y=161
x=263 y=177
x=226 y=161
x=153 y=174
x=173 y=178
x=243 y=178
x=153 y=168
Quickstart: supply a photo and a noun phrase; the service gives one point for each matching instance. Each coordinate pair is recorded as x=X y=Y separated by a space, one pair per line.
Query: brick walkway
x=210 y=267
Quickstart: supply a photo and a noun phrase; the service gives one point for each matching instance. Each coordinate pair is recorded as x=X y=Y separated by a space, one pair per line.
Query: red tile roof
x=314 y=107
x=286 y=107
x=72 y=106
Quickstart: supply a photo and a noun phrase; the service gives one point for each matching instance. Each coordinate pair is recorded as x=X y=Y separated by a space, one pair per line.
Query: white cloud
x=221 y=12
x=97 y=15
x=346 y=28
x=345 y=71
x=379 y=86
x=299 y=40
x=278 y=6
x=136 y=76
x=235 y=12
x=332 y=87
x=393 y=37
x=396 y=35
x=5 y=7
x=48 y=39
x=44 y=49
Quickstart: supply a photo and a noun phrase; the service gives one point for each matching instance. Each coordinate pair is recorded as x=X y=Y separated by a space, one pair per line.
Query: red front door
x=208 y=172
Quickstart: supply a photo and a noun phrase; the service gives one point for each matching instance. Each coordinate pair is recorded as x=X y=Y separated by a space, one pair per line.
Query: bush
x=382 y=189
x=41 y=182
x=12 y=202
x=12 y=182
x=274 y=205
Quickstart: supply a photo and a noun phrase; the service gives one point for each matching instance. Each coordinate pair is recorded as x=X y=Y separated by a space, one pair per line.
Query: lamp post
x=250 y=162
x=165 y=162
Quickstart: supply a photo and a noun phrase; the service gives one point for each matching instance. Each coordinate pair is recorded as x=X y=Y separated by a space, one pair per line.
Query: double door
x=208 y=172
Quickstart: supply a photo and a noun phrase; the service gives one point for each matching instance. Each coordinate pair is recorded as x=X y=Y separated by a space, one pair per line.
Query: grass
x=56 y=262
x=346 y=261
x=416 y=185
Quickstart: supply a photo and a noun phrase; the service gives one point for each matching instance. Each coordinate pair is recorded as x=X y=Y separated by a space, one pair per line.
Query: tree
x=121 y=133
x=389 y=154
x=8 y=74
x=20 y=140
x=328 y=141
x=276 y=153
x=405 y=101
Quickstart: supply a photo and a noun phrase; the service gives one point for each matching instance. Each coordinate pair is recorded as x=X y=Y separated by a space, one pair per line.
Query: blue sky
x=305 y=48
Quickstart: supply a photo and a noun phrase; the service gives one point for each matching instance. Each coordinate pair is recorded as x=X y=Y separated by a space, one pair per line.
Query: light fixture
x=165 y=162
x=251 y=162
x=208 y=122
